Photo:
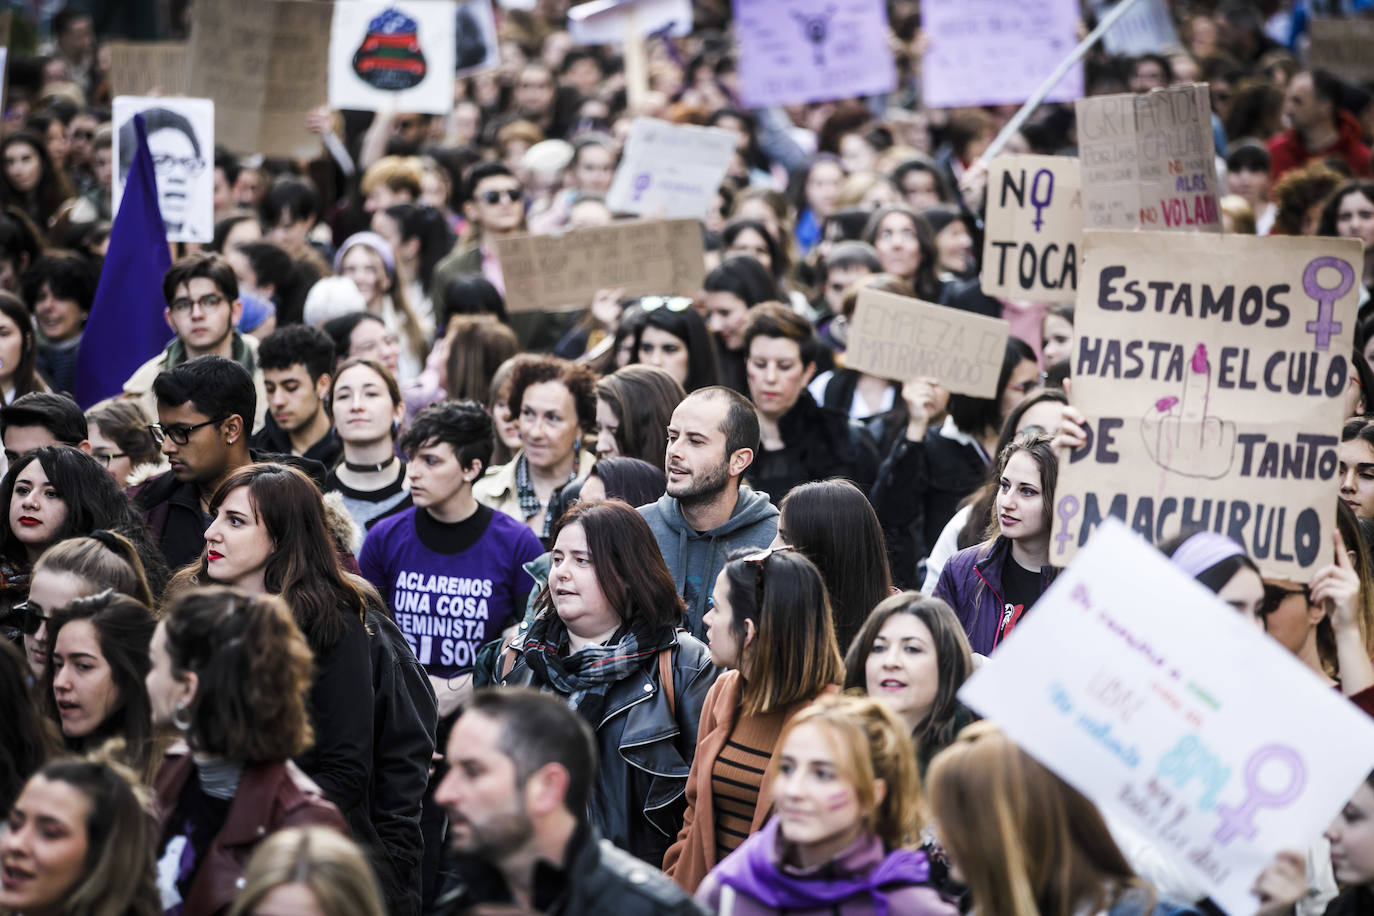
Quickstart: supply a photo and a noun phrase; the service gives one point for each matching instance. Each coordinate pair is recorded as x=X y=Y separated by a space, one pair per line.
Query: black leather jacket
x=645 y=750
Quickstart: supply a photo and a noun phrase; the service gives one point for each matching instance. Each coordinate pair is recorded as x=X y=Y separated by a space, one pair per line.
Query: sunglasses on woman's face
x=1274 y=595
x=671 y=303
x=29 y=617
x=492 y=198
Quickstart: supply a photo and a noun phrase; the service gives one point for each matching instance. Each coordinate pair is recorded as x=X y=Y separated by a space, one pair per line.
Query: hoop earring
x=181 y=717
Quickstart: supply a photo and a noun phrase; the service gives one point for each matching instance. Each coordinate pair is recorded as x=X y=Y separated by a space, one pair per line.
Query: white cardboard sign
x=398 y=56
x=181 y=137
x=670 y=171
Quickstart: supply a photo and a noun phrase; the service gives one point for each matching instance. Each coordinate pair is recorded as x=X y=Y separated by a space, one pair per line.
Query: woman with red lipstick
x=848 y=806
x=992 y=585
x=802 y=441
x=93 y=686
x=78 y=841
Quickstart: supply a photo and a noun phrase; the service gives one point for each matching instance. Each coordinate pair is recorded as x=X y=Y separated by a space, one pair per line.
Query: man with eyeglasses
x=201 y=406
x=203 y=307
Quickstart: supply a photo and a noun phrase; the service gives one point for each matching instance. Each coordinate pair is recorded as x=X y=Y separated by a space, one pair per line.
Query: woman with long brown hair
x=605 y=639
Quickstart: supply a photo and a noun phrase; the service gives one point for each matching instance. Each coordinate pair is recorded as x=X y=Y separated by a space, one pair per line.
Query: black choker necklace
x=370 y=468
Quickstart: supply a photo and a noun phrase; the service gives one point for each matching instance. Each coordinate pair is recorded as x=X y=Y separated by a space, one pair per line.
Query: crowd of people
x=374 y=592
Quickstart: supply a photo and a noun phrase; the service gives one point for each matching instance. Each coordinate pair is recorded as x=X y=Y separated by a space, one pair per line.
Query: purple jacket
x=971 y=583
x=864 y=880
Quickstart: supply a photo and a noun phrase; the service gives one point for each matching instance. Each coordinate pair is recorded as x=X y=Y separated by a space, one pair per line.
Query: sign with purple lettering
x=1176 y=714
x=1033 y=229
x=1214 y=379
x=812 y=50
x=991 y=52
x=670 y=171
x=1149 y=161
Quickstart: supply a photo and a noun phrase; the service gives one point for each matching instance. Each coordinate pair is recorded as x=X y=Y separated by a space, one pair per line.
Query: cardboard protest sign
x=563 y=272
x=900 y=338
x=1214 y=396
x=393 y=56
x=181 y=137
x=1033 y=229
x=477 y=45
x=1146 y=28
x=812 y=50
x=1174 y=713
x=669 y=170
x=142 y=68
x=1027 y=40
x=608 y=22
x=265 y=64
x=1342 y=47
x=1148 y=161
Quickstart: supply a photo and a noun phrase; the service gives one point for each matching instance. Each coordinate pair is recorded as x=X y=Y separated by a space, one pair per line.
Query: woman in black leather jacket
x=605 y=639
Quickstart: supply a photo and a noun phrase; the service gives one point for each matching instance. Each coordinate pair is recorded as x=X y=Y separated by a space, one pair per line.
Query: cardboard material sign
x=1214 y=397
x=181 y=137
x=265 y=64
x=1342 y=47
x=900 y=338
x=1027 y=40
x=669 y=170
x=142 y=68
x=608 y=22
x=1171 y=711
x=393 y=56
x=563 y=272
x=1146 y=28
x=812 y=50
x=1034 y=228
x=1148 y=161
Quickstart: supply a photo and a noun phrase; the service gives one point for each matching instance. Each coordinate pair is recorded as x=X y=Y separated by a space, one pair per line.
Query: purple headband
x=1204 y=550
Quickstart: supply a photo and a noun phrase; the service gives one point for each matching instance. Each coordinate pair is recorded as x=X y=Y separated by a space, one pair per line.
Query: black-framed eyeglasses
x=207 y=302
x=29 y=617
x=106 y=457
x=180 y=433
x=1274 y=595
x=760 y=562
x=671 y=303
x=165 y=161
x=492 y=198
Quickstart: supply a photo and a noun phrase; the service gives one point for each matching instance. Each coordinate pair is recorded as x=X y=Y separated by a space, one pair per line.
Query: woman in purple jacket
x=993 y=584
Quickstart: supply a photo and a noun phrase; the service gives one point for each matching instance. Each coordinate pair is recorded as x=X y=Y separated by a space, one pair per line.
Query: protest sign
x=1148 y=161
x=1033 y=229
x=812 y=50
x=478 y=47
x=563 y=272
x=1027 y=41
x=393 y=56
x=1146 y=28
x=1342 y=46
x=144 y=68
x=608 y=22
x=1214 y=397
x=670 y=171
x=264 y=63
x=181 y=137
x=900 y=338
x=1175 y=714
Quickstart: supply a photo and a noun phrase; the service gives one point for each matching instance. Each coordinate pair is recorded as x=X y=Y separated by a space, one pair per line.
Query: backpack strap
x=507 y=663
x=665 y=677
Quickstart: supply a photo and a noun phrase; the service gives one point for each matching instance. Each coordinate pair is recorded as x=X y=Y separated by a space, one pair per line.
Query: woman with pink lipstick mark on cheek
x=847 y=800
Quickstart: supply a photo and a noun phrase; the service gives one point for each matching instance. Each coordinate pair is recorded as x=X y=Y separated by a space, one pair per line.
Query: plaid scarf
x=584 y=677
x=529 y=502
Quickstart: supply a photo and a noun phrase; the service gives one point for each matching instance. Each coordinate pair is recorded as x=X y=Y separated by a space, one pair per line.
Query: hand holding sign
x=921 y=395
x=1181 y=437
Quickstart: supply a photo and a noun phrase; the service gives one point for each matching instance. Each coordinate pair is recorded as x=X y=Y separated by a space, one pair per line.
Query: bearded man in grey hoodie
x=706 y=512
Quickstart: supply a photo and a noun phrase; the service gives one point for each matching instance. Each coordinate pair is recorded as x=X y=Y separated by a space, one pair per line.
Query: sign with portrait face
x=181 y=137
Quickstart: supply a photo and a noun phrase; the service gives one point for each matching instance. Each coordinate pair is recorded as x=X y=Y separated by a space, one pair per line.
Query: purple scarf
x=752 y=870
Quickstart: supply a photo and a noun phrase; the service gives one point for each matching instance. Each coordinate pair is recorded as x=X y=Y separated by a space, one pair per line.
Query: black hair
x=1326 y=85
x=57 y=413
x=423 y=222
x=154 y=119
x=927 y=166
x=227 y=163
x=744 y=278
x=850 y=254
x=1217 y=575
x=224 y=226
x=1247 y=156
x=536 y=730
x=1166 y=68
x=632 y=480
x=214 y=386
x=974 y=415
x=686 y=326
x=777 y=255
x=292 y=195
x=741 y=421
x=66 y=17
x=271 y=265
x=298 y=343
x=212 y=267
x=67 y=276
x=1366 y=377
x=341 y=329
x=480 y=173
x=463 y=425
x=18 y=239
x=468 y=294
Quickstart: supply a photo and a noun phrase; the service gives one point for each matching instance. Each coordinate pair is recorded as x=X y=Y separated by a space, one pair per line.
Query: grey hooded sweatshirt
x=696 y=557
